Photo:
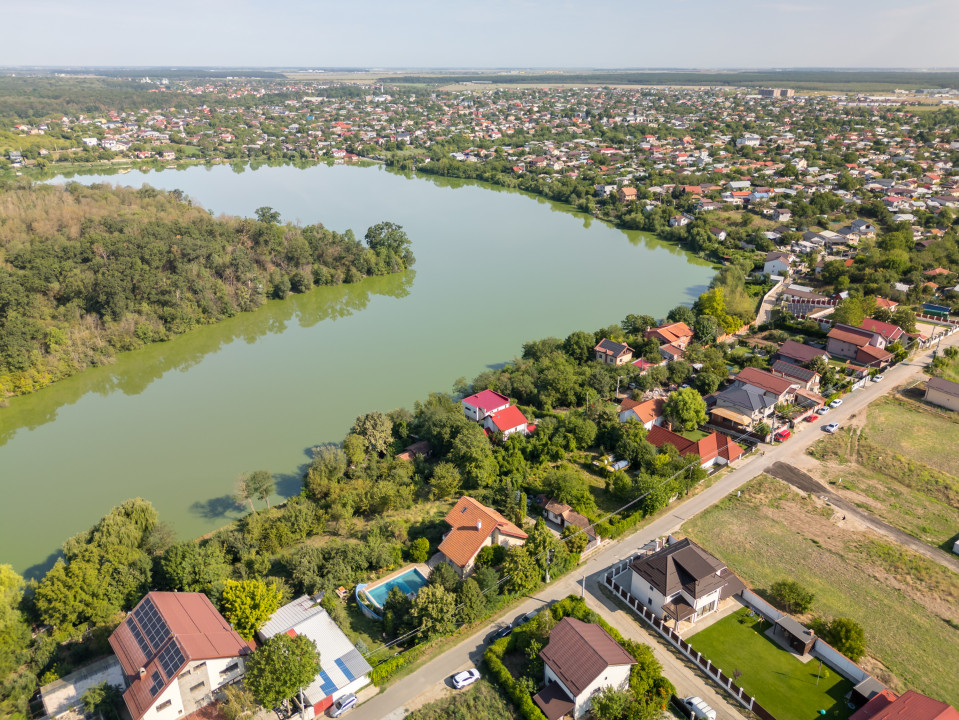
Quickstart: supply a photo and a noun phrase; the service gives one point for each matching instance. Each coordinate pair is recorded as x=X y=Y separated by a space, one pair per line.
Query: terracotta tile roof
x=671 y=333
x=712 y=446
x=764 y=380
x=472 y=524
x=853 y=338
x=869 y=354
x=911 y=705
x=647 y=410
x=580 y=652
x=887 y=330
x=163 y=633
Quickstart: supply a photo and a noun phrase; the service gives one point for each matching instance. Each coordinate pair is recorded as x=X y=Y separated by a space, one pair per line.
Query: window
x=196 y=687
x=231 y=668
x=651 y=588
x=164 y=705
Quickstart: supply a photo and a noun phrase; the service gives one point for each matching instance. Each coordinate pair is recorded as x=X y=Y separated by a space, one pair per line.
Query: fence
x=752 y=600
x=671 y=636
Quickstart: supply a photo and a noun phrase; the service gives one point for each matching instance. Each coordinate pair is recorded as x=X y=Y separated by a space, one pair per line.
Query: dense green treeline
x=86 y=272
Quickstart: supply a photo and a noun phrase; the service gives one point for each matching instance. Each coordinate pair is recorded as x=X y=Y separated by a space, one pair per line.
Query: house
x=563 y=515
x=343 y=669
x=473 y=527
x=648 y=412
x=740 y=408
x=799 y=354
x=478 y=406
x=420 y=448
x=714 y=449
x=781 y=215
x=846 y=340
x=890 y=333
x=809 y=379
x=944 y=393
x=507 y=421
x=682 y=581
x=580 y=660
x=627 y=194
x=911 y=705
x=677 y=333
x=777 y=263
x=783 y=388
x=613 y=353
x=176 y=650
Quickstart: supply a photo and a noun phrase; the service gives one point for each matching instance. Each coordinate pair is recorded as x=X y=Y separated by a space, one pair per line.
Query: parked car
x=831 y=427
x=822 y=411
x=701 y=711
x=501 y=633
x=340 y=706
x=877 y=378
x=836 y=403
x=812 y=417
x=782 y=435
x=467 y=677
x=523 y=619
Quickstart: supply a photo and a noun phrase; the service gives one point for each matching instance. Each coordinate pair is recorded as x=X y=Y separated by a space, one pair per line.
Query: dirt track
x=808 y=484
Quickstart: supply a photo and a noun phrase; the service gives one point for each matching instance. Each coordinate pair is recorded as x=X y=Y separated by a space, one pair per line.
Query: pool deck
x=423 y=568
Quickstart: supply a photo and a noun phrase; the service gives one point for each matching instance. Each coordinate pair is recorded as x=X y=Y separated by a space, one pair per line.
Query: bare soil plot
x=908 y=605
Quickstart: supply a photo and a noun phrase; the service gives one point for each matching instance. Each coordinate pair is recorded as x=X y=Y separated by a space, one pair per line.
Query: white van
x=701 y=711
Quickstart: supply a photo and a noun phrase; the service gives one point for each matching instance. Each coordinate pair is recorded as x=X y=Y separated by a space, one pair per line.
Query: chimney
x=479 y=524
x=142 y=671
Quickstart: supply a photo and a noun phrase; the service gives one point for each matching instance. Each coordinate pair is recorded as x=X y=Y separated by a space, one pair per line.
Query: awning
x=736 y=417
x=553 y=701
x=679 y=609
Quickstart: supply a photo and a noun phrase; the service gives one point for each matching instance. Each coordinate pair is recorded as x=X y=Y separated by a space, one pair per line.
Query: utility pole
x=582 y=592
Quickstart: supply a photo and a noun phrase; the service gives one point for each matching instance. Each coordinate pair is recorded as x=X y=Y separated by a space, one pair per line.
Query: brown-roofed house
x=682 y=581
x=580 y=659
x=613 y=353
x=714 y=449
x=800 y=354
x=176 y=650
x=783 y=388
x=845 y=340
x=677 y=333
x=474 y=526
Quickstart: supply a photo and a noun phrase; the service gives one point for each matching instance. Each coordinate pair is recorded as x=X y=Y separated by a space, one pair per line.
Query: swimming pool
x=409 y=582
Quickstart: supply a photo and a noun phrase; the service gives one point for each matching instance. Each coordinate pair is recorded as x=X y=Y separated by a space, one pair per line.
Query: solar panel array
x=138 y=636
x=171 y=659
x=157 y=684
x=151 y=623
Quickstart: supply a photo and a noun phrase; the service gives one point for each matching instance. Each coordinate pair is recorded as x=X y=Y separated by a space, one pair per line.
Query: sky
x=381 y=34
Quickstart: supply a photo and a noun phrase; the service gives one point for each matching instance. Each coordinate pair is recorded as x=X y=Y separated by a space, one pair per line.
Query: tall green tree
x=280 y=667
x=247 y=604
x=434 y=611
x=686 y=408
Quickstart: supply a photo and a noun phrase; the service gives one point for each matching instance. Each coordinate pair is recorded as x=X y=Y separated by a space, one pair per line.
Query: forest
x=90 y=271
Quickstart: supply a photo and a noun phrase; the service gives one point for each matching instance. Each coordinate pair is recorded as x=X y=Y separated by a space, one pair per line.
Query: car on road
x=822 y=411
x=701 y=711
x=836 y=403
x=467 y=677
x=877 y=378
x=341 y=705
x=831 y=427
x=812 y=417
x=523 y=619
x=782 y=435
x=501 y=633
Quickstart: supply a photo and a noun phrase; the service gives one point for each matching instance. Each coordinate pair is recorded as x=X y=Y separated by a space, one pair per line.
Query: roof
x=610 y=347
x=487 y=400
x=164 y=632
x=554 y=702
x=869 y=354
x=340 y=662
x=731 y=415
x=764 y=380
x=853 y=336
x=646 y=411
x=671 y=333
x=887 y=330
x=944 y=386
x=685 y=566
x=472 y=524
x=748 y=397
x=795 y=628
x=508 y=418
x=911 y=705
x=580 y=652
x=788 y=369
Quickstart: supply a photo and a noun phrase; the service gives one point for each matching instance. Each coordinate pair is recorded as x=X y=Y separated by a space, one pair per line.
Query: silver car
x=340 y=706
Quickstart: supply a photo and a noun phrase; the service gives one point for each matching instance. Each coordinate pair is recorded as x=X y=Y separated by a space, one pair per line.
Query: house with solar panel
x=176 y=651
x=342 y=669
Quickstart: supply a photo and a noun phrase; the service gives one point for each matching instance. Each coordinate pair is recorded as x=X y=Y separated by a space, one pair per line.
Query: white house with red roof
x=648 y=412
x=507 y=421
x=176 y=650
x=484 y=403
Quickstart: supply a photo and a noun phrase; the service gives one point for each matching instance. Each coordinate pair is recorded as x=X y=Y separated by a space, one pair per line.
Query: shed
x=800 y=638
x=866 y=691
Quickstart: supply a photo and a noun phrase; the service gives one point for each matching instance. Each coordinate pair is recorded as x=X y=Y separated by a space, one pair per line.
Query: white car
x=340 y=706
x=822 y=411
x=831 y=427
x=701 y=711
x=877 y=378
x=836 y=403
x=467 y=677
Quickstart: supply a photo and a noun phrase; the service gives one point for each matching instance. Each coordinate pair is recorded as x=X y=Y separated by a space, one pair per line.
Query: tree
x=445 y=576
x=905 y=318
x=611 y=703
x=565 y=485
x=446 y=480
x=388 y=240
x=847 y=636
x=258 y=484
x=267 y=215
x=420 y=550
x=397 y=612
x=686 y=408
x=575 y=539
x=103 y=699
x=280 y=667
x=849 y=311
x=472 y=602
x=14 y=632
x=682 y=314
x=376 y=429
x=191 y=567
x=471 y=453
x=354 y=447
x=247 y=604
x=762 y=429
x=434 y=610
x=522 y=573
x=706 y=329
x=487 y=578
x=679 y=371
x=790 y=596
x=706 y=382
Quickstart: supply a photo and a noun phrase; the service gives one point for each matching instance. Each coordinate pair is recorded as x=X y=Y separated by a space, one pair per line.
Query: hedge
x=388 y=668
x=493 y=657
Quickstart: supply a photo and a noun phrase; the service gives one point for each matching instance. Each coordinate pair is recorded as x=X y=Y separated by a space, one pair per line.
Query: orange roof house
x=672 y=334
x=474 y=526
x=713 y=449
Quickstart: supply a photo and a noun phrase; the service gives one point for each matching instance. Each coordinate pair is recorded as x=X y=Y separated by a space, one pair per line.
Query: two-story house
x=482 y=404
x=613 y=353
x=473 y=526
x=648 y=412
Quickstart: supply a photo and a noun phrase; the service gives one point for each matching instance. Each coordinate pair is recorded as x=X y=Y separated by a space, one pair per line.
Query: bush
x=491 y=556
x=790 y=596
x=419 y=550
x=388 y=668
x=517 y=693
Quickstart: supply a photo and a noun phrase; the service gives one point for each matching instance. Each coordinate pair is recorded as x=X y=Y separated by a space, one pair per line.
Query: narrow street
x=392 y=702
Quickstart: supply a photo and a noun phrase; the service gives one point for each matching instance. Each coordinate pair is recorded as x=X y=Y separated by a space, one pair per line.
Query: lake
x=177 y=422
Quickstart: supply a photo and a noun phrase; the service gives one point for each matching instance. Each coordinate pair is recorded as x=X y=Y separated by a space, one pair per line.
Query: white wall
x=652 y=598
x=616 y=676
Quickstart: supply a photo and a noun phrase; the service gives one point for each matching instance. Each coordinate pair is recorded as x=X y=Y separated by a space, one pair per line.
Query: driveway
x=469 y=652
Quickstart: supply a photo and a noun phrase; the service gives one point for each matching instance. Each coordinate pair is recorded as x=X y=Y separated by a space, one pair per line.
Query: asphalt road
x=391 y=703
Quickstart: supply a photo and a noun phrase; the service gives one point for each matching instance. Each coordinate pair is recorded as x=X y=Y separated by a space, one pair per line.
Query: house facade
x=473 y=526
x=580 y=660
x=943 y=393
x=508 y=421
x=176 y=651
x=845 y=341
x=648 y=412
x=682 y=581
x=613 y=353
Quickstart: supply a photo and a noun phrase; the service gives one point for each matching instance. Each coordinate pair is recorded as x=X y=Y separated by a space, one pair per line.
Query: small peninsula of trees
x=86 y=272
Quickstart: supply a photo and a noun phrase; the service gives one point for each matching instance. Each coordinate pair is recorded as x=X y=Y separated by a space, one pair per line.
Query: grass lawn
x=907 y=605
x=694 y=435
x=923 y=436
x=781 y=684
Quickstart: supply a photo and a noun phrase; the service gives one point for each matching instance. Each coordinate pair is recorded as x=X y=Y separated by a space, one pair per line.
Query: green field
x=908 y=605
x=479 y=702
x=781 y=683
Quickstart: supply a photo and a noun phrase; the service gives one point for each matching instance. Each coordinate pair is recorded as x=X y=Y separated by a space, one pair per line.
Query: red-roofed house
x=176 y=650
x=474 y=526
x=712 y=450
x=672 y=334
x=845 y=341
x=649 y=413
x=782 y=387
x=484 y=403
x=911 y=705
x=509 y=420
x=890 y=333
x=580 y=660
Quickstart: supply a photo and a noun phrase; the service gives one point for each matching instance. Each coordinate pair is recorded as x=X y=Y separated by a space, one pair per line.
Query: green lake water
x=177 y=422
